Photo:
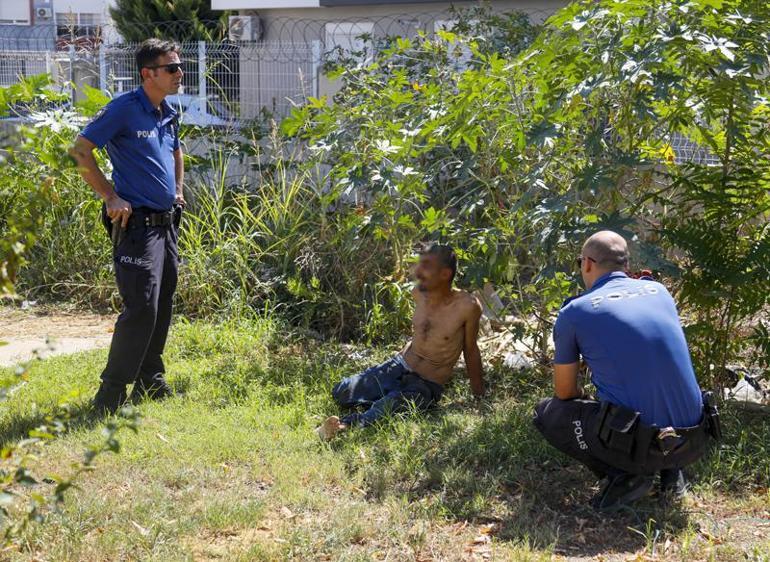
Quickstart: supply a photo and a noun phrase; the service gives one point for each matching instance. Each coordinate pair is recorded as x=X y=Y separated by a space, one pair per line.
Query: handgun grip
x=117 y=233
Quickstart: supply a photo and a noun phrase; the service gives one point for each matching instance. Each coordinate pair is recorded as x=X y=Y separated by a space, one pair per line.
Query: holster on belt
x=117 y=234
x=114 y=230
x=711 y=413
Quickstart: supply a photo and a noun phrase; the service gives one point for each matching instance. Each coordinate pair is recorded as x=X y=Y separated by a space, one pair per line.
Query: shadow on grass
x=487 y=463
x=541 y=497
x=76 y=416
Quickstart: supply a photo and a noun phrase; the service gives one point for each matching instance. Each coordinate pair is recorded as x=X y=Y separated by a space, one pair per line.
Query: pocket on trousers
x=133 y=274
x=135 y=285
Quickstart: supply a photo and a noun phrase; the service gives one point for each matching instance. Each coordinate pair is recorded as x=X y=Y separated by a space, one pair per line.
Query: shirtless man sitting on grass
x=445 y=323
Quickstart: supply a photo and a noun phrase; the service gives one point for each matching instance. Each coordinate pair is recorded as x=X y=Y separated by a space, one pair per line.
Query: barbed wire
x=267 y=29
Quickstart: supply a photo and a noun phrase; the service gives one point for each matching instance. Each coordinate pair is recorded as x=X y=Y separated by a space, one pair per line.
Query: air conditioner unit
x=44 y=13
x=244 y=28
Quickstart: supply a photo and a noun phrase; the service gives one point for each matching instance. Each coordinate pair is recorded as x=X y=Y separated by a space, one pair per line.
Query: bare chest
x=436 y=326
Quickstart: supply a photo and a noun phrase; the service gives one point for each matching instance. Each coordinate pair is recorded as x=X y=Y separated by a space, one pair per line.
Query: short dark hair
x=150 y=49
x=445 y=254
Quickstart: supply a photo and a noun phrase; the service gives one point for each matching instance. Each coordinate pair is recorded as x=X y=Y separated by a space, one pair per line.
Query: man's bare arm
x=471 y=351
x=179 y=175
x=565 y=381
x=83 y=152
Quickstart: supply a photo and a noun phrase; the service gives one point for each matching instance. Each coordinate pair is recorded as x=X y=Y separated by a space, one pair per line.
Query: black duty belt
x=139 y=217
x=149 y=218
x=621 y=430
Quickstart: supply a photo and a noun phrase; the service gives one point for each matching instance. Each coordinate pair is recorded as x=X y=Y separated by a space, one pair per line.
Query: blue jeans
x=386 y=388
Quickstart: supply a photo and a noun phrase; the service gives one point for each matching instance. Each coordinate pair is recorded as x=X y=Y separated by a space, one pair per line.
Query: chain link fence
x=229 y=81
x=222 y=82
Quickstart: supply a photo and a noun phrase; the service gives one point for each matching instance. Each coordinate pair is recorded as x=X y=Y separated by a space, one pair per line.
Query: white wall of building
x=82 y=6
x=14 y=12
x=262 y=4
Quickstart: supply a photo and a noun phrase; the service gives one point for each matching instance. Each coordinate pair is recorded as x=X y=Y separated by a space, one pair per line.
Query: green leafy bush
x=518 y=157
x=512 y=143
x=35 y=169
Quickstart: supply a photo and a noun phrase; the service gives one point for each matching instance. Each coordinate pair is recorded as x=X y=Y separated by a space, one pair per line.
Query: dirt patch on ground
x=25 y=334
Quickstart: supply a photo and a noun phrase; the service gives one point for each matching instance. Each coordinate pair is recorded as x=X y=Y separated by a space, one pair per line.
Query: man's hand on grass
x=329 y=428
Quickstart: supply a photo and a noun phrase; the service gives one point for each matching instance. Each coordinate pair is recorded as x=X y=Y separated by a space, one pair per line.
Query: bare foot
x=329 y=428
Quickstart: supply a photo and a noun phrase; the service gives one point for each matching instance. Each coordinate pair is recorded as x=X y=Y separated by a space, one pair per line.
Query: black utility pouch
x=178 y=209
x=713 y=425
x=618 y=427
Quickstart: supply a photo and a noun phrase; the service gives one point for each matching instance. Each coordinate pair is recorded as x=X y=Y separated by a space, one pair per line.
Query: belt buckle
x=667 y=432
x=664 y=434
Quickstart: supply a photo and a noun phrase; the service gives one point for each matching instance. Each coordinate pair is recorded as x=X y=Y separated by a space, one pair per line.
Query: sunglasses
x=171 y=68
x=580 y=259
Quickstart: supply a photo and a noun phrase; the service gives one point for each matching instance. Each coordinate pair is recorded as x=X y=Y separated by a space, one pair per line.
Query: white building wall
x=83 y=6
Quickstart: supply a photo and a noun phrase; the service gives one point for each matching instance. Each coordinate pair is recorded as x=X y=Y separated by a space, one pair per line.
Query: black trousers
x=571 y=426
x=146 y=267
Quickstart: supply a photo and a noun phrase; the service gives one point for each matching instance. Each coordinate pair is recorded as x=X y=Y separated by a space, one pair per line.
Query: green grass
x=232 y=470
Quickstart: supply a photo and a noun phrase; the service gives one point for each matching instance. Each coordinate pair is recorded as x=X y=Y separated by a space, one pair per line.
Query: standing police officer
x=141 y=212
x=650 y=415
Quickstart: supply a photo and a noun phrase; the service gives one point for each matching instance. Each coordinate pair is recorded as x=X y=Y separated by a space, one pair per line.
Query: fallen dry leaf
x=142 y=531
x=709 y=537
x=487 y=529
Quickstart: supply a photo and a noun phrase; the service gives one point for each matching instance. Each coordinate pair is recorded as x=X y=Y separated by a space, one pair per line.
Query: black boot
x=153 y=387
x=673 y=485
x=109 y=398
x=622 y=490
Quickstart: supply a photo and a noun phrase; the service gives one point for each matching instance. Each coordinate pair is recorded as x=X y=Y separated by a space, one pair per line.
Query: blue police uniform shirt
x=140 y=142
x=629 y=334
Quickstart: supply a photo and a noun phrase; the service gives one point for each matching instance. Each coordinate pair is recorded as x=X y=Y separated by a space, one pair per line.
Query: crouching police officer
x=141 y=213
x=650 y=416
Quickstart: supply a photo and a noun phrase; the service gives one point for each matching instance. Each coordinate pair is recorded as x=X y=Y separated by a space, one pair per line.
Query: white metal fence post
x=71 y=76
x=202 y=94
x=316 y=50
x=102 y=69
